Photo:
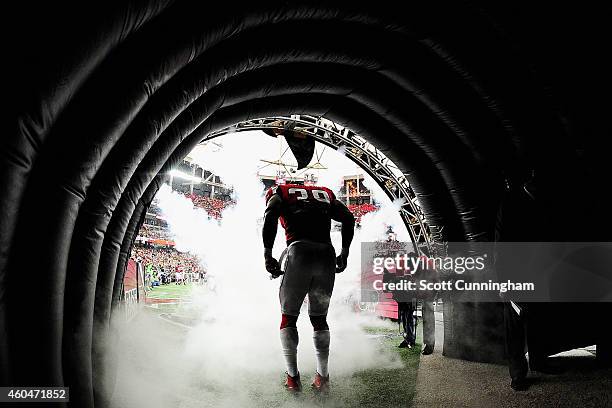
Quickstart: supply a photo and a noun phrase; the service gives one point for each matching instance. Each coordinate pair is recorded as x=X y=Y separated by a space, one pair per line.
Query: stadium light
x=185 y=176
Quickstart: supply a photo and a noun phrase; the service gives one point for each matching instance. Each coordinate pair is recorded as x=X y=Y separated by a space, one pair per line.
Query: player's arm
x=270 y=226
x=340 y=213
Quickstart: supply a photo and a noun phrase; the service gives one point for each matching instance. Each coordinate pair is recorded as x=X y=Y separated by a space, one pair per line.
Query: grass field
x=380 y=387
x=170 y=292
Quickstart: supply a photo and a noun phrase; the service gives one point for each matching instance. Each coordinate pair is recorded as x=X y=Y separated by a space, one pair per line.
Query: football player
x=310 y=264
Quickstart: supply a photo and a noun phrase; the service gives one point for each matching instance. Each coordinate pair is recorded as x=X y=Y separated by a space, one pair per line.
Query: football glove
x=272 y=265
x=341 y=260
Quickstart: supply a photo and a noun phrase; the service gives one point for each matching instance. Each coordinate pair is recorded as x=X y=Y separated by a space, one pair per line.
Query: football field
x=169 y=292
x=145 y=378
x=144 y=367
x=375 y=388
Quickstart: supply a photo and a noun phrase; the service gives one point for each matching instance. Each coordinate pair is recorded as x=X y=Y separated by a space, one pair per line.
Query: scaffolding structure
x=388 y=175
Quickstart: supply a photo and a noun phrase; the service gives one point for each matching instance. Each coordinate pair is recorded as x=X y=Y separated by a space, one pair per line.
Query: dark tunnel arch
x=146 y=81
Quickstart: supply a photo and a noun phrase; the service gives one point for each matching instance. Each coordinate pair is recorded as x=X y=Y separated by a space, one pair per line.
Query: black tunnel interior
x=466 y=97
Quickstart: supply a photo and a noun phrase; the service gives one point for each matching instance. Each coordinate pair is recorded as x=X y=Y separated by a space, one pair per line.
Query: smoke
x=338 y=167
x=234 y=347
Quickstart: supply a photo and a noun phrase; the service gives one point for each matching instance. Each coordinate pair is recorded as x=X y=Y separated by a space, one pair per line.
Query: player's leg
x=321 y=339
x=319 y=296
x=289 y=341
x=429 y=326
x=293 y=289
x=404 y=311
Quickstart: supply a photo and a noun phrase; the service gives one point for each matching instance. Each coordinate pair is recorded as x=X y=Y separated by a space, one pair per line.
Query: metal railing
x=388 y=175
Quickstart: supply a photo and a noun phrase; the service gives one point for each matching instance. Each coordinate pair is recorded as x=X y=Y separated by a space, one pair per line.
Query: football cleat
x=320 y=383
x=405 y=344
x=293 y=384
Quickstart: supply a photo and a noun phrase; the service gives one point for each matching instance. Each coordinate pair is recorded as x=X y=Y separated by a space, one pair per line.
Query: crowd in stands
x=359 y=210
x=213 y=206
x=154 y=208
x=164 y=265
x=151 y=231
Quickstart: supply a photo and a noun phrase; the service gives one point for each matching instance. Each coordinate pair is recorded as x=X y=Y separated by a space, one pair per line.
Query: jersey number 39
x=303 y=194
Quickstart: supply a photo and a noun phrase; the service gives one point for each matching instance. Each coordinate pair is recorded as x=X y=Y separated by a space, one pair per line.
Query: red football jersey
x=305 y=211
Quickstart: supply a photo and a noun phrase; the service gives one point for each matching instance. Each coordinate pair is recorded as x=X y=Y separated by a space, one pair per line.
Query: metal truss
x=392 y=180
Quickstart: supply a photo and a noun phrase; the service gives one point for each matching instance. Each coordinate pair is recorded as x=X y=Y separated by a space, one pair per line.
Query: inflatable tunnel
x=471 y=100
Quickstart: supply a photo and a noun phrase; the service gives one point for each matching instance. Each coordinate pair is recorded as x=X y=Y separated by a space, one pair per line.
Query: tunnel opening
x=389 y=178
x=209 y=188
